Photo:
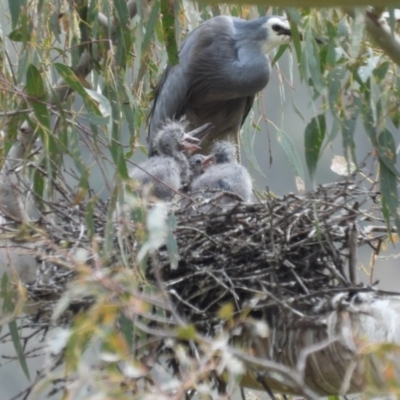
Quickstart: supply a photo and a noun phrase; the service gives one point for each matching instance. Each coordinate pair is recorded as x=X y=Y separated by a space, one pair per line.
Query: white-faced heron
x=169 y=170
x=223 y=64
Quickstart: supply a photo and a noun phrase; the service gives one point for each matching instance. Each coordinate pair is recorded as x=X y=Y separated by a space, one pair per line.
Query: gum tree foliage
x=81 y=73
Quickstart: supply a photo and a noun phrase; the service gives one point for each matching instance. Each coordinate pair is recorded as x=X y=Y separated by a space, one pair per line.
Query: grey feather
x=222 y=66
x=165 y=173
x=226 y=174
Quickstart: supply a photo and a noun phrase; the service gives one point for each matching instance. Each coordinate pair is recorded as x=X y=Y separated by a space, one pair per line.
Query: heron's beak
x=285 y=32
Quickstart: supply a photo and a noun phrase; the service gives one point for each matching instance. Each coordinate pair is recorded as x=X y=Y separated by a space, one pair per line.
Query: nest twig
x=285 y=257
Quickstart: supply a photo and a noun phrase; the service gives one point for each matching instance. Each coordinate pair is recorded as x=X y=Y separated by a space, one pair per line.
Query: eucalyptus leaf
x=168 y=24
x=291 y=153
x=12 y=326
x=314 y=137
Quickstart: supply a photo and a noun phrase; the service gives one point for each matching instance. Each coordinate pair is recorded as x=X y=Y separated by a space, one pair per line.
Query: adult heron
x=223 y=64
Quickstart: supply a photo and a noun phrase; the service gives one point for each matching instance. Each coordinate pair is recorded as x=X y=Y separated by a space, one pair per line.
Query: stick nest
x=283 y=258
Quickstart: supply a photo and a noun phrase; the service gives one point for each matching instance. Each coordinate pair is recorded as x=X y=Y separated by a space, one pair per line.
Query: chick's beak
x=209 y=160
x=191 y=141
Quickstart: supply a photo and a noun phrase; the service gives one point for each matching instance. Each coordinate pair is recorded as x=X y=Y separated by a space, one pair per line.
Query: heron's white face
x=278 y=33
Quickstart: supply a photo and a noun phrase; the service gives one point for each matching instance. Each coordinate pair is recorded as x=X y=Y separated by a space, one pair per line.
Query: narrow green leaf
x=37 y=97
x=12 y=326
x=314 y=136
x=357 y=35
x=71 y=79
x=18 y=36
x=303 y=63
x=104 y=106
x=73 y=82
x=150 y=26
x=380 y=73
x=120 y=161
x=127 y=108
x=54 y=25
x=387 y=151
x=110 y=223
x=124 y=37
x=279 y=54
x=368 y=120
x=168 y=25
x=122 y=11
x=38 y=183
x=291 y=153
x=348 y=127
x=73 y=147
x=331 y=51
x=90 y=206
x=246 y=142
x=313 y=62
x=7 y=294
x=335 y=86
x=395 y=117
x=15 y=9
x=297 y=110
x=343 y=30
x=389 y=195
x=336 y=125
x=295 y=21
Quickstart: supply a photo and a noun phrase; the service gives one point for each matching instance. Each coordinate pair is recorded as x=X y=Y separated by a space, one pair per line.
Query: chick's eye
x=198 y=161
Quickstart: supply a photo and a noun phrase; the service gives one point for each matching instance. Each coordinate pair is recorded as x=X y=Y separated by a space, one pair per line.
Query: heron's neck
x=267 y=47
x=251 y=69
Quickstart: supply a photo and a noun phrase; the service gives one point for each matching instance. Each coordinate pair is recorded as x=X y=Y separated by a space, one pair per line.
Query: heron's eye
x=276 y=28
x=198 y=161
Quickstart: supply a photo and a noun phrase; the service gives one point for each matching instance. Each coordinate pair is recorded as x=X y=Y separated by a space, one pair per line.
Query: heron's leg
x=234 y=137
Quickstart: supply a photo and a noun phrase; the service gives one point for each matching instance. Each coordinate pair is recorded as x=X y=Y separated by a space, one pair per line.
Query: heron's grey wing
x=173 y=90
x=168 y=102
x=249 y=104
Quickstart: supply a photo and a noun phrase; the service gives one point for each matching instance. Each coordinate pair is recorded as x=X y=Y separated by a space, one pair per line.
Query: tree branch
x=380 y=32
